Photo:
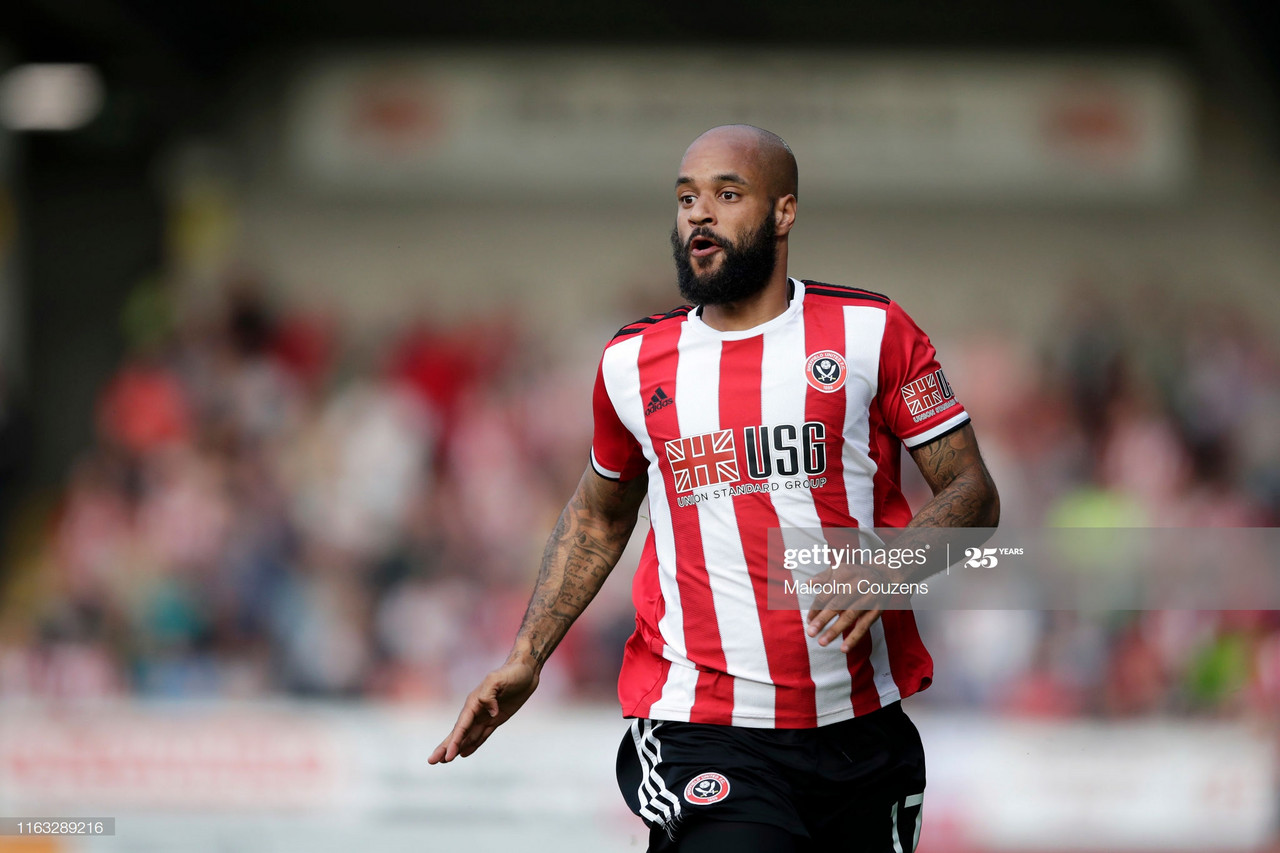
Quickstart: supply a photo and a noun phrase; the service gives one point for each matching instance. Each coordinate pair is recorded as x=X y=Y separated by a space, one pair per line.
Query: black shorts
x=856 y=785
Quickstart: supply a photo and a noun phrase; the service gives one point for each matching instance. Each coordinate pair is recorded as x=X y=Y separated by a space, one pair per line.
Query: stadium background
x=298 y=317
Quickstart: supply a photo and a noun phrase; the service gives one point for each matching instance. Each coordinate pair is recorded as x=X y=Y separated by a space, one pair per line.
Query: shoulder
x=821 y=296
x=652 y=323
x=899 y=329
x=825 y=293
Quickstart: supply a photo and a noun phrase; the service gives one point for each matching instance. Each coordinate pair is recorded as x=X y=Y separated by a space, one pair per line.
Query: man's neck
x=753 y=311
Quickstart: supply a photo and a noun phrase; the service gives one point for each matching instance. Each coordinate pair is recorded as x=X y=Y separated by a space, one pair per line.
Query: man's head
x=736 y=203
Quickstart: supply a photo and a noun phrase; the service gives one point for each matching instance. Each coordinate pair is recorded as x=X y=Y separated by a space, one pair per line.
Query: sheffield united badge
x=826 y=371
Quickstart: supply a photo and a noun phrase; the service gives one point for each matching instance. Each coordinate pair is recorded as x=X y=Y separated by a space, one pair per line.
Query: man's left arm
x=964 y=495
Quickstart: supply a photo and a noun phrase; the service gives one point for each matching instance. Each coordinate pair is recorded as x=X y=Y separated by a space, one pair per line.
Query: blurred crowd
x=1134 y=409
x=270 y=507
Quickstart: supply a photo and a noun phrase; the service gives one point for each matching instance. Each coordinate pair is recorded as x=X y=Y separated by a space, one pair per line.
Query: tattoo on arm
x=964 y=494
x=583 y=548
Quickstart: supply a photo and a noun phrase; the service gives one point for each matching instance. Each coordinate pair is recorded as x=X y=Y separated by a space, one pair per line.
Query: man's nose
x=701 y=213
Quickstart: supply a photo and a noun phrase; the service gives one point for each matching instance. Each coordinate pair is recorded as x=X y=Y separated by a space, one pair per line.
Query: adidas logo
x=659 y=400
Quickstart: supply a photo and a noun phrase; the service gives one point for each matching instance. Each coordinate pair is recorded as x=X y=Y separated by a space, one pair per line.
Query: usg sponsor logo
x=703 y=460
x=786 y=450
x=711 y=459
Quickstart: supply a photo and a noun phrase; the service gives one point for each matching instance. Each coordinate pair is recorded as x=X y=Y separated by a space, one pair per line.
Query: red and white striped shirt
x=820 y=396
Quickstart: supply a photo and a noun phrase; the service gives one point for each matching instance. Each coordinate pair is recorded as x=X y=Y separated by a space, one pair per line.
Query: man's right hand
x=490 y=705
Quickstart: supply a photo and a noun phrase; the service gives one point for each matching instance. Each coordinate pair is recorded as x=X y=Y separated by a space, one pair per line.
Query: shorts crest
x=706 y=789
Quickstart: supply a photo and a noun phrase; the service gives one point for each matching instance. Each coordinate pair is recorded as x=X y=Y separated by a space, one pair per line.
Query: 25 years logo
x=988 y=558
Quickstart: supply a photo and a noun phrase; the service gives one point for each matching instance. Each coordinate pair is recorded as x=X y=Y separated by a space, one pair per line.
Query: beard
x=744 y=270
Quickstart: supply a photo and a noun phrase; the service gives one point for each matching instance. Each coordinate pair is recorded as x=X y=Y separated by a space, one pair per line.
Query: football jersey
x=794 y=424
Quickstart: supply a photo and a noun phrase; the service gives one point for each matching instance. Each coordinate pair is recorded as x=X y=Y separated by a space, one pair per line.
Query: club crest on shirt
x=826 y=371
x=706 y=789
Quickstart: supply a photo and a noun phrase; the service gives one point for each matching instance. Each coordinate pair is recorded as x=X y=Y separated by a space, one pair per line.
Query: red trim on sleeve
x=914 y=395
x=615 y=453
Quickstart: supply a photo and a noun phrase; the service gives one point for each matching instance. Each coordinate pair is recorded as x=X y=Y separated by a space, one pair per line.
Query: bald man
x=737 y=190
x=759 y=723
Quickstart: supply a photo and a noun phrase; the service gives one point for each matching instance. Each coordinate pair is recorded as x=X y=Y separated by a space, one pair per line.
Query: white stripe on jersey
x=678 y=690
x=930 y=434
x=741 y=638
x=782 y=401
x=622 y=381
x=864 y=336
x=885 y=685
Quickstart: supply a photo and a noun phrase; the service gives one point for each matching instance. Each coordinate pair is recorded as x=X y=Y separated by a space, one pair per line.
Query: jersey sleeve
x=915 y=398
x=615 y=453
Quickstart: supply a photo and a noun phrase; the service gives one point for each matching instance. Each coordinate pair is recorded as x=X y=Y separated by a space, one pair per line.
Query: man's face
x=724 y=240
x=741 y=267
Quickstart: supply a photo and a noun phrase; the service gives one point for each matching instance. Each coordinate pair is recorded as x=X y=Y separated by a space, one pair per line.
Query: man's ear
x=784 y=214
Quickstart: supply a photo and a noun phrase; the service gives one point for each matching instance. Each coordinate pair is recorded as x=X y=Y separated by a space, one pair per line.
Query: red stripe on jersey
x=891 y=509
x=909 y=660
x=642 y=658
x=713 y=696
x=795 y=698
x=825 y=331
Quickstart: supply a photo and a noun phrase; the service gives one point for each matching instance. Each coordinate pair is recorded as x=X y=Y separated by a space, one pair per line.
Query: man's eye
x=729 y=195
x=686 y=199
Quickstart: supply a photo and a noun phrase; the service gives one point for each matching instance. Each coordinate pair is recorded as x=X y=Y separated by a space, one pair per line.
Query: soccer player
x=768 y=402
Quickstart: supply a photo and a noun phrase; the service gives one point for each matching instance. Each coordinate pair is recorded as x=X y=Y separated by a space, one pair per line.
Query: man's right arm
x=593 y=529
x=587 y=541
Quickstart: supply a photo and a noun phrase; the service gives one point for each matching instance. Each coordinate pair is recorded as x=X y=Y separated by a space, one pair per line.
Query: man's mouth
x=701 y=247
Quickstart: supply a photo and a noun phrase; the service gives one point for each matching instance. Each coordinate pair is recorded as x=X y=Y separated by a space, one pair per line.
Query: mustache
x=703 y=231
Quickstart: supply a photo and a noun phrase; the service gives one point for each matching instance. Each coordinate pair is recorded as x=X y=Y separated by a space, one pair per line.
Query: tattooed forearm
x=964 y=494
x=587 y=541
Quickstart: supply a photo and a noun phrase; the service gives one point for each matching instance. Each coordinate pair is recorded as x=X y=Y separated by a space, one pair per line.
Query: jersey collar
x=793 y=310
